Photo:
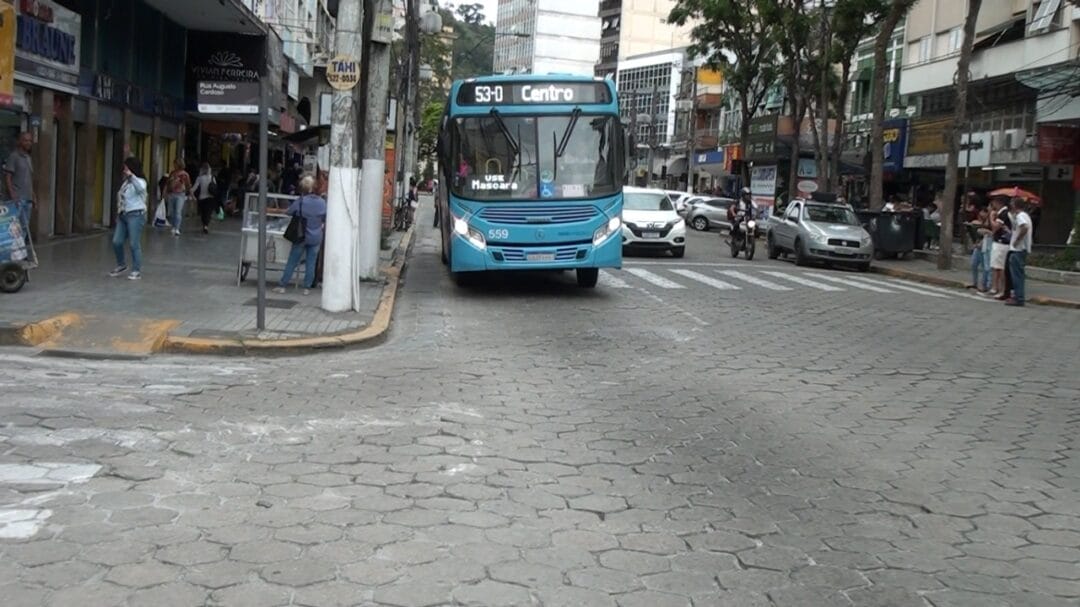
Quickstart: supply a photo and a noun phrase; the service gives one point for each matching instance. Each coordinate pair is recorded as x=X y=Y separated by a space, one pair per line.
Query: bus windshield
x=509 y=157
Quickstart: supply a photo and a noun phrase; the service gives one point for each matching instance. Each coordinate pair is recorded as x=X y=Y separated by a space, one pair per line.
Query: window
x=1043 y=16
x=956 y=39
x=924 y=50
x=793 y=213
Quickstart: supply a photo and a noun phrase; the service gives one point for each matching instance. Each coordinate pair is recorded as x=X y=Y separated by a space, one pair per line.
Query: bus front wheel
x=588 y=277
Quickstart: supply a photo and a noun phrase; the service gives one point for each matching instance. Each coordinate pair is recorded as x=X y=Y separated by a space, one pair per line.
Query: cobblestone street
x=527 y=443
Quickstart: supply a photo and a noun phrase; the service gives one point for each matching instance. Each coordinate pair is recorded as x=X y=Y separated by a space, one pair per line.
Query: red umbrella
x=1017 y=192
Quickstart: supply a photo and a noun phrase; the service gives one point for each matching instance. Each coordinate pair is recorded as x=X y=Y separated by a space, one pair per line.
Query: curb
x=959 y=284
x=37 y=333
x=373 y=334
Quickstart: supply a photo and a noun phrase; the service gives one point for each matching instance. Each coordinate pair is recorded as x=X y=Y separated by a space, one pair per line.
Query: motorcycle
x=743 y=236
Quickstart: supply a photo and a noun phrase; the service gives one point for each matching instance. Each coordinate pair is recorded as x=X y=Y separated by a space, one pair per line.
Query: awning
x=677 y=165
x=315 y=135
x=210 y=15
x=1007 y=31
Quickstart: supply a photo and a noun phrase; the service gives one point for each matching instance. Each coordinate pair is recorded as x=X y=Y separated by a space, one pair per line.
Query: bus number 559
x=495 y=234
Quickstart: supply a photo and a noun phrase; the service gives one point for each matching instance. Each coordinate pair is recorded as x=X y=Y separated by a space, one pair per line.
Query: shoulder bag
x=297 y=227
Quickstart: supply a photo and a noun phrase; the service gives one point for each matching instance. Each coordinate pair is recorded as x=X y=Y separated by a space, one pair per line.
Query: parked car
x=650 y=222
x=680 y=199
x=819 y=231
x=709 y=213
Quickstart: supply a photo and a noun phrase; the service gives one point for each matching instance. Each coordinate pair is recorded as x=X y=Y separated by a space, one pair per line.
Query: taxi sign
x=343 y=72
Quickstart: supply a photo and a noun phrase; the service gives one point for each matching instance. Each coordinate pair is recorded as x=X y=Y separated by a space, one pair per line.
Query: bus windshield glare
x=512 y=157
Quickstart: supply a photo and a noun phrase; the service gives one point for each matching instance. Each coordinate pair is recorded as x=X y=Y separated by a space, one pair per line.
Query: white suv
x=650 y=222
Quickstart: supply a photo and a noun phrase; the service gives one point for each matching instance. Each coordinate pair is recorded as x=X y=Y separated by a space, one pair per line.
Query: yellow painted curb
x=371 y=334
x=956 y=284
x=37 y=333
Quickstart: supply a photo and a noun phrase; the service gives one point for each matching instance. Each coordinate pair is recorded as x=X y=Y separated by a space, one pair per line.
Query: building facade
x=648 y=88
x=549 y=37
x=630 y=28
x=1024 y=127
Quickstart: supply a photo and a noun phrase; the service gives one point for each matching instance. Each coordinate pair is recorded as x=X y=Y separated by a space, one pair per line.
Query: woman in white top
x=206 y=192
x=131 y=217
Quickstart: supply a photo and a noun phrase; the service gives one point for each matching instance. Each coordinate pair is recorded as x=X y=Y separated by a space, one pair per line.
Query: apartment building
x=1024 y=126
x=648 y=88
x=548 y=37
x=630 y=28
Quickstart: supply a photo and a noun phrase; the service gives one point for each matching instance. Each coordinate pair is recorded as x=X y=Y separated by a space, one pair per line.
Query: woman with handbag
x=206 y=193
x=305 y=232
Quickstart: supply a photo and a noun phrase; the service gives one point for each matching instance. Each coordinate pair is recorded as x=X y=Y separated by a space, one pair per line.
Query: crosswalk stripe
x=754 y=280
x=655 y=279
x=943 y=290
x=707 y=280
x=611 y=281
x=804 y=282
x=894 y=285
x=851 y=283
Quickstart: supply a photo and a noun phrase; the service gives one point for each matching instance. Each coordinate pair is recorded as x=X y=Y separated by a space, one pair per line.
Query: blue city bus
x=532 y=169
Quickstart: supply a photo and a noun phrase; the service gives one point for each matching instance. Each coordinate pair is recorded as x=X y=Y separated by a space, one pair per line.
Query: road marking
x=943 y=290
x=893 y=285
x=851 y=283
x=637 y=262
x=803 y=281
x=754 y=280
x=655 y=279
x=610 y=280
x=707 y=280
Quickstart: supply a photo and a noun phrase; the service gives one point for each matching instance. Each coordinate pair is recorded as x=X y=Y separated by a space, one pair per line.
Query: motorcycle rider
x=742 y=209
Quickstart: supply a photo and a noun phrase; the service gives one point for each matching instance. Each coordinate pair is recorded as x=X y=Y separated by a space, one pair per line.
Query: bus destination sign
x=533 y=93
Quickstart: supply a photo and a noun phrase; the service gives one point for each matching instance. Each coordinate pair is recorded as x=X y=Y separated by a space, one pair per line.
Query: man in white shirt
x=1019 y=247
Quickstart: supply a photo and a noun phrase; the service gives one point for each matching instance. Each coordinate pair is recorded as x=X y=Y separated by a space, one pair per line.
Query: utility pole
x=341 y=287
x=652 y=131
x=412 y=38
x=374 y=149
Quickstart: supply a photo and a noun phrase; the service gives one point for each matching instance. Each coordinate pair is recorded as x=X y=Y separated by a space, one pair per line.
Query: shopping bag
x=160 y=218
x=220 y=214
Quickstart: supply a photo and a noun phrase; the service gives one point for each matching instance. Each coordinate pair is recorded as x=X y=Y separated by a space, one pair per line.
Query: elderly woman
x=311 y=209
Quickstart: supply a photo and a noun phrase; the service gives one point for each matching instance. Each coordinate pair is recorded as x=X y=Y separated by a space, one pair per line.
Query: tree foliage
x=733 y=37
x=470 y=14
x=895 y=13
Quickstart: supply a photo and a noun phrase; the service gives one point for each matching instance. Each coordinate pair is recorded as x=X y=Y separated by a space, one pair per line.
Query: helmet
x=744 y=191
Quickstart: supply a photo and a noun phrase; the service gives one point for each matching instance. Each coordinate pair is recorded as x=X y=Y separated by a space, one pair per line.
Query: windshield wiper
x=566 y=134
x=506 y=132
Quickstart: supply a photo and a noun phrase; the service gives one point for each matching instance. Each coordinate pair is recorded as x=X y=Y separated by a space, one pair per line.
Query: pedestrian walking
x=1019 y=247
x=19 y=172
x=131 y=217
x=206 y=193
x=311 y=209
x=179 y=188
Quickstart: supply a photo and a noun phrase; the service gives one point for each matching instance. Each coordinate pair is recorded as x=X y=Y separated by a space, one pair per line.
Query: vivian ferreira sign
x=217 y=60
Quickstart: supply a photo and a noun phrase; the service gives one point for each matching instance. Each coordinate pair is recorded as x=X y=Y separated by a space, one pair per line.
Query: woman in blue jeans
x=131 y=206
x=312 y=209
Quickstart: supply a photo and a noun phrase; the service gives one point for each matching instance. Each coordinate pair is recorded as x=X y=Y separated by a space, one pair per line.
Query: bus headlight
x=466 y=231
x=606 y=230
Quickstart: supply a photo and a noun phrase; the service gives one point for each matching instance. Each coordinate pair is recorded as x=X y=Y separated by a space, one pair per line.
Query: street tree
x=963 y=76
x=733 y=37
x=471 y=14
x=896 y=11
x=796 y=61
x=852 y=22
x=430 y=118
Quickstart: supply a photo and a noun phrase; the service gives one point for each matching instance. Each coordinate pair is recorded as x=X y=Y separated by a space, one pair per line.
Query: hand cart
x=17 y=255
x=277 y=248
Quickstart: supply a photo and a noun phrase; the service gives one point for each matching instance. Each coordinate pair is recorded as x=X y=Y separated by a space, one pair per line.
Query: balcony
x=709 y=101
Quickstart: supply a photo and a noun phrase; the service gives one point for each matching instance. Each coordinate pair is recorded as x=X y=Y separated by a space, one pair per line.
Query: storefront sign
x=715 y=157
x=228 y=97
x=895 y=148
x=47 y=45
x=215 y=58
x=1059 y=144
x=7 y=53
x=763 y=185
x=761 y=143
x=343 y=72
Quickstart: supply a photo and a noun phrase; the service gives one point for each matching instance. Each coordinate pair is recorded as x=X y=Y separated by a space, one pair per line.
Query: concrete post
x=43 y=158
x=374 y=154
x=86 y=170
x=65 y=159
x=341 y=288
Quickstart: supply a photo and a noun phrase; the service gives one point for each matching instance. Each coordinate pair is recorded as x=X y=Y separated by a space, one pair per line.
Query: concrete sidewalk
x=1038 y=292
x=188 y=299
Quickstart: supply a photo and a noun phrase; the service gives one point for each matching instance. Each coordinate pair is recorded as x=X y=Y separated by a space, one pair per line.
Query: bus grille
x=523 y=215
x=561 y=254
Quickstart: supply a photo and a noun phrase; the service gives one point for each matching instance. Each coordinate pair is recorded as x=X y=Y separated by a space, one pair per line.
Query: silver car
x=704 y=214
x=818 y=231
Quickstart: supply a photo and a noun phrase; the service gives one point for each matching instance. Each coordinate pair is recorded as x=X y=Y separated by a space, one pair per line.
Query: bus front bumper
x=469 y=258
